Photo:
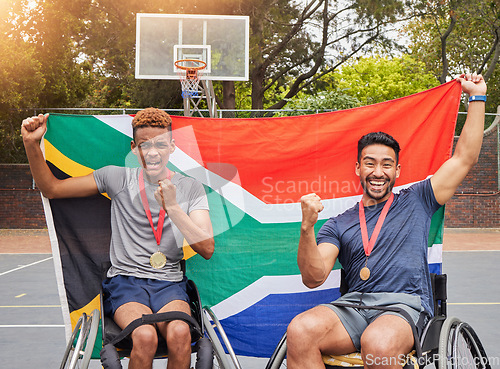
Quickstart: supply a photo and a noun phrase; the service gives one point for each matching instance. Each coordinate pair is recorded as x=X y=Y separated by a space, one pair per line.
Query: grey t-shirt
x=132 y=238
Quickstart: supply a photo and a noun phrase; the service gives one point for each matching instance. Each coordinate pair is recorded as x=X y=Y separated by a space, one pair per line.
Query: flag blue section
x=436 y=268
x=256 y=330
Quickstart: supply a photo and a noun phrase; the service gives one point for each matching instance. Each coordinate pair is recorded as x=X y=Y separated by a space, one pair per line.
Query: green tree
x=458 y=36
x=322 y=101
x=21 y=78
x=375 y=79
x=54 y=28
x=292 y=43
x=314 y=41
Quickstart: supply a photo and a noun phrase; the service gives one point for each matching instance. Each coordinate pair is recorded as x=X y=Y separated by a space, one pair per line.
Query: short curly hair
x=151 y=117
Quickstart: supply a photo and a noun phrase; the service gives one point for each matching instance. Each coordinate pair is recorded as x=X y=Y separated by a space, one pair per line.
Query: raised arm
x=315 y=261
x=449 y=176
x=195 y=227
x=32 y=130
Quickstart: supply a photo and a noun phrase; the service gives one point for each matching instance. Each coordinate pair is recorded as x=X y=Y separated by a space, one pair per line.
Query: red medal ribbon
x=161 y=219
x=369 y=243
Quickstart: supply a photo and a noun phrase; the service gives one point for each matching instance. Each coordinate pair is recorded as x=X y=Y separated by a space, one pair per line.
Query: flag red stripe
x=280 y=159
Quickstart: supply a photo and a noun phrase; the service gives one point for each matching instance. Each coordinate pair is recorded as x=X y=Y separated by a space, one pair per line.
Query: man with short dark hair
x=382 y=245
x=152 y=211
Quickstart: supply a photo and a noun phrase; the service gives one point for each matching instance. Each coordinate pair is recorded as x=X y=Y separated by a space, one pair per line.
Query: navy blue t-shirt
x=398 y=261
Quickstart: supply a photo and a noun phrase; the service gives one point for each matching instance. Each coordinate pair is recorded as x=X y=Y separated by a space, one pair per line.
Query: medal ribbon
x=368 y=244
x=161 y=219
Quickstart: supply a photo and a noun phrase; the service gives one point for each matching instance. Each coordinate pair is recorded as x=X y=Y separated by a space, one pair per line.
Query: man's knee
x=305 y=327
x=393 y=339
x=145 y=338
x=178 y=332
x=298 y=327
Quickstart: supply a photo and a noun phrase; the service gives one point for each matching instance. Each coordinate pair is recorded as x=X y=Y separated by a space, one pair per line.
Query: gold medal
x=369 y=243
x=158 y=260
x=364 y=274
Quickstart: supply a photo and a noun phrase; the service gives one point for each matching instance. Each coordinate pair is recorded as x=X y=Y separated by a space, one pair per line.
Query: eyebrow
x=158 y=140
x=384 y=159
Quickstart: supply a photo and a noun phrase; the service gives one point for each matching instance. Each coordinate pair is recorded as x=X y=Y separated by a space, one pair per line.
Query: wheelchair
x=446 y=342
x=116 y=343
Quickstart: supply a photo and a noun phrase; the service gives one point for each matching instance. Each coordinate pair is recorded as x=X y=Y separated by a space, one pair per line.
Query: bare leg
x=144 y=338
x=385 y=342
x=178 y=336
x=313 y=333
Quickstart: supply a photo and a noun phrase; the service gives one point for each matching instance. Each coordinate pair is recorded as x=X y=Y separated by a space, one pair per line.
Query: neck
x=151 y=178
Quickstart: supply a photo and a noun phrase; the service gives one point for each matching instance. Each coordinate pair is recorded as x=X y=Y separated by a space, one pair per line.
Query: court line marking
x=462 y=251
x=473 y=303
x=29 y=306
x=24 y=266
x=32 y=326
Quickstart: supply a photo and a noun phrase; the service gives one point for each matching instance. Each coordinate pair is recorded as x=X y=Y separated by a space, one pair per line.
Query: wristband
x=477 y=98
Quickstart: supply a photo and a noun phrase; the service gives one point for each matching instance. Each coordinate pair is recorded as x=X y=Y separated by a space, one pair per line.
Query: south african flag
x=254 y=172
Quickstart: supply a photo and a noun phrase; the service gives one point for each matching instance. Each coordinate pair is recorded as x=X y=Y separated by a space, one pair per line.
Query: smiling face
x=153 y=146
x=377 y=170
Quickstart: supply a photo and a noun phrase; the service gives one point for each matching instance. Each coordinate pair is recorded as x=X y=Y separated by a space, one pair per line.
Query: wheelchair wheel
x=220 y=358
x=79 y=349
x=459 y=347
x=277 y=359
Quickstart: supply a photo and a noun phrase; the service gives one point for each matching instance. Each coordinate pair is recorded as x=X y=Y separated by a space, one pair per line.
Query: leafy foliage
x=322 y=101
x=460 y=36
x=375 y=79
x=67 y=53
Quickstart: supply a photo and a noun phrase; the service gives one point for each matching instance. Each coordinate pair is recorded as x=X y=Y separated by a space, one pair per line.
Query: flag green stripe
x=437 y=227
x=243 y=253
x=249 y=250
x=73 y=135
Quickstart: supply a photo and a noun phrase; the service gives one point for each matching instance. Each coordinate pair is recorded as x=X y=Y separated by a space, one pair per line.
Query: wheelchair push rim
x=460 y=347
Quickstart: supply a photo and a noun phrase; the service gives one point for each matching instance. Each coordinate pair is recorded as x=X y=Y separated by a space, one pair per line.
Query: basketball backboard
x=221 y=41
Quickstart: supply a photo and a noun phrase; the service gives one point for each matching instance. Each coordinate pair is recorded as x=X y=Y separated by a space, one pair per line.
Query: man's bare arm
x=32 y=130
x=195 y=227
x=315 y=261
x=449 y=176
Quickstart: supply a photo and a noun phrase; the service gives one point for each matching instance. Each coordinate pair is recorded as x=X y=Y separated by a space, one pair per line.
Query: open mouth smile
x=377 y=184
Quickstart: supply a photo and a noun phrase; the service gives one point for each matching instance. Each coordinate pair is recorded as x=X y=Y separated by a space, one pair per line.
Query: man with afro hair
x=152 y=211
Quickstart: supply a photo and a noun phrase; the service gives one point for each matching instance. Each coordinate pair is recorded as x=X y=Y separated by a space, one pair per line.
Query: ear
x=358 y=169
x=133 y=146
x=172 y=145
x=398 y=170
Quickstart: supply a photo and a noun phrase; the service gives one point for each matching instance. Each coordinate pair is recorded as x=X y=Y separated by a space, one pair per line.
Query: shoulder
x=112 y=178
x=422 y=193
x=115 y=173
x=418 y=188
x=186 y=183
x=348 y=216
x=112 y=169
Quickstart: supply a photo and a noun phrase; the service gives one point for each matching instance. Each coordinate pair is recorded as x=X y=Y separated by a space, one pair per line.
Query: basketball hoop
x=190 y=71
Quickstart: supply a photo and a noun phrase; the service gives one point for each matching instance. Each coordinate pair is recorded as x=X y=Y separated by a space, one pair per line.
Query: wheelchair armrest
x=430 y=336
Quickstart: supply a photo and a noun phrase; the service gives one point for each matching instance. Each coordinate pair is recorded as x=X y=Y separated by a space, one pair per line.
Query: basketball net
x=189 y=85
x=190 y=76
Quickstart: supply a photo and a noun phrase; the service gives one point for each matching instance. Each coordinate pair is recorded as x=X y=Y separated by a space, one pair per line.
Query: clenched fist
x=166 y=194
x=311 y=206
x=33 y=129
